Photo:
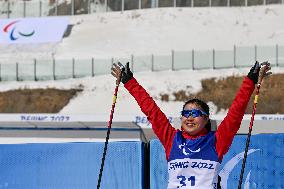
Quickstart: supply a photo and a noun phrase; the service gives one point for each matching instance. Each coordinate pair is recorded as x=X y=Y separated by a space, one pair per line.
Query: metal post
x=89 y=7
x=210 y=3
x=72 y=7
x=73 y=68
x=152 y=63
x=213 y=56
x=235 y=52
x=53 y=68
x=173 y=60
x=0 y=73
x=56 y=8
x=228 y=3
x=35 y=77
x=192 y=3
x=24 y=9
x=157 y=3
x=246 y=3
x=17 y=71
x=264 y=2
x=40 y=8
x=192 y=59
x=93 y=73
x=122 y=6
x=106 y=5
x=139 y=4
x=277 y=63
x=175 y=3
x=153 y=4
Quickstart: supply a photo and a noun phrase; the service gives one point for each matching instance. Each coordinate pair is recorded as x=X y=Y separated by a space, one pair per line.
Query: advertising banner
x=32 y=30
x=264 y=164
x=71 y=165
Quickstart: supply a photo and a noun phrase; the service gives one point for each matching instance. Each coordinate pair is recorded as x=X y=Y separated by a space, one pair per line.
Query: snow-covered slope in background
x=98 y=93
x=160 y=30
x=157 y=31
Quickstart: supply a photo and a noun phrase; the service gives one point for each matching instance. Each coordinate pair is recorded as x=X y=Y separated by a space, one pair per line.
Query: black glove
x=254 y=72
x=126 y=73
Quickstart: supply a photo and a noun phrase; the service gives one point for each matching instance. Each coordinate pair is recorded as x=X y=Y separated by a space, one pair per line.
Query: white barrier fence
x=53 y=69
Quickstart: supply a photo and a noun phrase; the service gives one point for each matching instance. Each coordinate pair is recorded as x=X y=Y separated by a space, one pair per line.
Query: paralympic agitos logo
x=14 y=31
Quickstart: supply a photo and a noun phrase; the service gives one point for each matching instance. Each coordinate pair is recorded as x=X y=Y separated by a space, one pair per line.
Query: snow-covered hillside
x=158 y=31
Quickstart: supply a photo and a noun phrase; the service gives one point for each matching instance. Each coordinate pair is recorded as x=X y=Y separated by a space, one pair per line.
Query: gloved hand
x=125 y=71
x=254 y=72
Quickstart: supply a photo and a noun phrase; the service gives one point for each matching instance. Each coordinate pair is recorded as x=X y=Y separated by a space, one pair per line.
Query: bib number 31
x=186 y=181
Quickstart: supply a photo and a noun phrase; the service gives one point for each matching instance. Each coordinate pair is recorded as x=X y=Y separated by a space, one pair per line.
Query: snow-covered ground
x=158 y=31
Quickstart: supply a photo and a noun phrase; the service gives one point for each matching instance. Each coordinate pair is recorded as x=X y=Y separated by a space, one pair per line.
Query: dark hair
x=203 y=106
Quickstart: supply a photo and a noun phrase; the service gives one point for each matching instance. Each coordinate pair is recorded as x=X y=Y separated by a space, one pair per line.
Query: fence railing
x=53 y=69
x=22 y=8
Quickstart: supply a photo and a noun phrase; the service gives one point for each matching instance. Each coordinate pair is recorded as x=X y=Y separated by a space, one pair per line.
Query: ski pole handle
x=115 y=97
x=263 y=72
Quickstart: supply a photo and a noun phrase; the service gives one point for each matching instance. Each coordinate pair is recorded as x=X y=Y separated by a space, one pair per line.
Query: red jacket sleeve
x=232 y=122
x=160 y=123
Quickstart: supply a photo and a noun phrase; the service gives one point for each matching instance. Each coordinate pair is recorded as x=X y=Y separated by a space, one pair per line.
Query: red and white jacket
x=186 y=168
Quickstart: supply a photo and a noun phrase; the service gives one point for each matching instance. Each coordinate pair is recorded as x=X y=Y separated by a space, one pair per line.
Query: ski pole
x=261 y=75
x=109 y=127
